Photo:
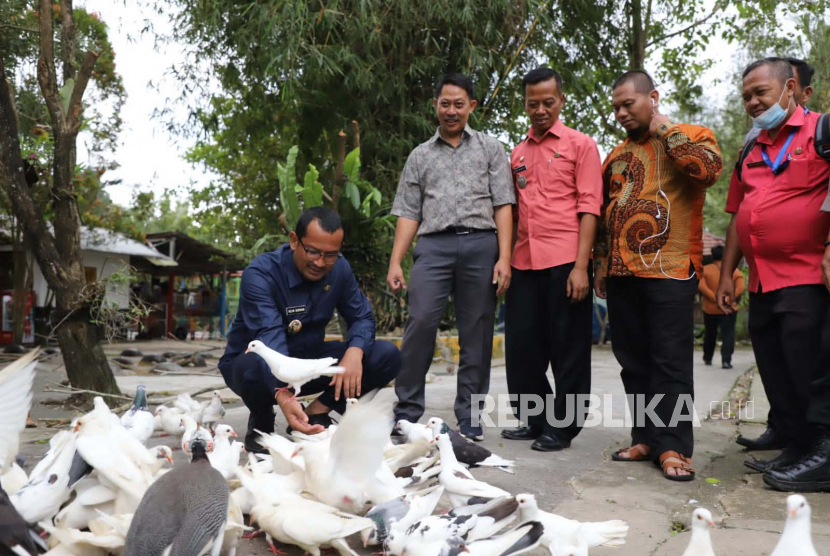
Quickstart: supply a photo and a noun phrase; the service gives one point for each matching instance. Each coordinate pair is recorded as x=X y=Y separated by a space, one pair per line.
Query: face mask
x=773 y=115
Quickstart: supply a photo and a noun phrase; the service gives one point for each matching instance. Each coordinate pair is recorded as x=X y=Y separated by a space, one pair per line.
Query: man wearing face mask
x=775 y=198
x=557 y=172
x=456 y=194
x=649 y=255
x=771 y=438
x=803 y=92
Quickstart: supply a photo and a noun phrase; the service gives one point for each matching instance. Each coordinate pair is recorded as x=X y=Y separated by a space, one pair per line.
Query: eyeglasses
x=314 y=255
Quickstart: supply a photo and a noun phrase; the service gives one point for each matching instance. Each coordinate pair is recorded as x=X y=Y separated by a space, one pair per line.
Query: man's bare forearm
x=405 y=232
x=504 y=226
x=732 y=252
x=587 y=236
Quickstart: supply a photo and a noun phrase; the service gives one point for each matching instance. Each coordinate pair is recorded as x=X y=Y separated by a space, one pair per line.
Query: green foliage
x=288 y=189
x=312 y=189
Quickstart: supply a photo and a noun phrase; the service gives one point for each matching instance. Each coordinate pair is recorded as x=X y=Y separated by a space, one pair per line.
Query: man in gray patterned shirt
x=456 y=193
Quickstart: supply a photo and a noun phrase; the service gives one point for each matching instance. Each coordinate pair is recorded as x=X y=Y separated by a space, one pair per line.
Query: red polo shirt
x=562 y=176
x=781 y=229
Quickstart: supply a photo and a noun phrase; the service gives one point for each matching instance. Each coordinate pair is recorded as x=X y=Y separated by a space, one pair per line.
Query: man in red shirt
x=557 y=173
x=778 y=226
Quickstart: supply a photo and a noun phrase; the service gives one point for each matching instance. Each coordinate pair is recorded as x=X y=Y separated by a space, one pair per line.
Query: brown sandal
x=638 y=452
x=673 y=460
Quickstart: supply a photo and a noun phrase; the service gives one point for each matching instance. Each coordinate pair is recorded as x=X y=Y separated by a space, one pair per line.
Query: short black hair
x=805 y=71
x=717 y=252
x=780 y=67
x=538 y=75
x=329 y=220
x=459 y=80
x=643 y=83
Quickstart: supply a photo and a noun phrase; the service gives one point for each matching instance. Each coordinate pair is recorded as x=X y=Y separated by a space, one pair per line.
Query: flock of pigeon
x=99 y=490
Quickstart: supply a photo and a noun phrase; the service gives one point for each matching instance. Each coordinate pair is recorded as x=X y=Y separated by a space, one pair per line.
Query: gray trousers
x=462 y=265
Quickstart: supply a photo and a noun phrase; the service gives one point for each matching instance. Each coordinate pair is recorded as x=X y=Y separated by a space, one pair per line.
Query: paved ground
x=581 y=482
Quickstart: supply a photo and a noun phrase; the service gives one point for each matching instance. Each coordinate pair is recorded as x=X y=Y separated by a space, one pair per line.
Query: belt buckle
x=462 y=231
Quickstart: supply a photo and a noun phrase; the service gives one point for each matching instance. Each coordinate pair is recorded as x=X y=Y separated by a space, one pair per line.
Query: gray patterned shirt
x=443 y=186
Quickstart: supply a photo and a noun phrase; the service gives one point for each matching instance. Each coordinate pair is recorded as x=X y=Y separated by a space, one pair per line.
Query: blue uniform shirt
x=273 y=293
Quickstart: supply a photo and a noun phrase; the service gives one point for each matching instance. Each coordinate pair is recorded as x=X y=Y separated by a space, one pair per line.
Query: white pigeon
x=415 y=432
x=189 y=406
x=281 y=450
x=700 y=544
x=234 y=528
x=294 y=372
x=170 y=420
x=563 y=530
x=13 y=480
x=49 y=482
x=344 y=473
x=458 y=481
x=101 y=411
x=193 y=430
x=213 y=411
x=427 y=536
x=400 y=513
x=82 y=543
x=796 y=540
x=224 y=458
x=138 y=420
x=523 y=538
x=95 y=495
x=467 y=452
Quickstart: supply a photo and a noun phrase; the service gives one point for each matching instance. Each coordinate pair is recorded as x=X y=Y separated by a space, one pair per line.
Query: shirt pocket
x=795 y=177
x=559 y=175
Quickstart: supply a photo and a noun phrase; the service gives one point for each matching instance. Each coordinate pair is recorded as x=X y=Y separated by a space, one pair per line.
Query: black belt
x=461 y=230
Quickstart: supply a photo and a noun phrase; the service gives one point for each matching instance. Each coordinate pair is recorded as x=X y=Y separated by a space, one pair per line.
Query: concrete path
x=581 y=482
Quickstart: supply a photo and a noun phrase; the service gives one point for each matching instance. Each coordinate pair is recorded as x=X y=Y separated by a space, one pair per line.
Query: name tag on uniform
x=758 y=164
x=299 y=310
x=521 y=168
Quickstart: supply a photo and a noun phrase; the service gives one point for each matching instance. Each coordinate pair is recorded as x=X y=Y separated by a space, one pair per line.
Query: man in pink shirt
x=775 y=198
x=558 y=177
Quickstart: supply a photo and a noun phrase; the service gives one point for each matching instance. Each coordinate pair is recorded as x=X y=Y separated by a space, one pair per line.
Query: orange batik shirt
x=646 y=233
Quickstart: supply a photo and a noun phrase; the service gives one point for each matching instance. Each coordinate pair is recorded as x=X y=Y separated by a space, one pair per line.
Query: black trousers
x=652 y=335
x=246 y=377
x=726 y=324
x=790 y=332
x=543 y=327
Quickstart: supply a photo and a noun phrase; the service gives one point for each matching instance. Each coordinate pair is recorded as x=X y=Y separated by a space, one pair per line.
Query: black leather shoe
x=810 y=474
x=726 y=366
x=770 y=440
x=316 y=419
x=788 y=456
x=521 y=433
x=707 y=362
x=251 y=444
x=550 y=443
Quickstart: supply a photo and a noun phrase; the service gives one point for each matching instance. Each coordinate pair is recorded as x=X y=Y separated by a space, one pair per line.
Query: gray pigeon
x=182 y=513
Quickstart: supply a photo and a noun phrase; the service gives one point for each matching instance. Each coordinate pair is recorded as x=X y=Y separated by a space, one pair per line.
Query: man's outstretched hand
x=295 y=414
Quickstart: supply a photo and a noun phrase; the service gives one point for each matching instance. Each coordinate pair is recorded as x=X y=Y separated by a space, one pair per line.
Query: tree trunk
x=22 y=284
x=86 y=365
x=637 y=43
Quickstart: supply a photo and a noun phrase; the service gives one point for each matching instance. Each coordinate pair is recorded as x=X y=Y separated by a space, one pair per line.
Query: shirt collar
x=288 y=266
x=556 y=130
x=796 y=120
x=468 y=131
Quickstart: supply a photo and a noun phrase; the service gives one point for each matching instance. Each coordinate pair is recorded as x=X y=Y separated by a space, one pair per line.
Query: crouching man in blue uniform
x=286 y=299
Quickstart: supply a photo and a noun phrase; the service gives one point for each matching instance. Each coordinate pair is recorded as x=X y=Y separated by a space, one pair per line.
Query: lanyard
x=783 y=156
